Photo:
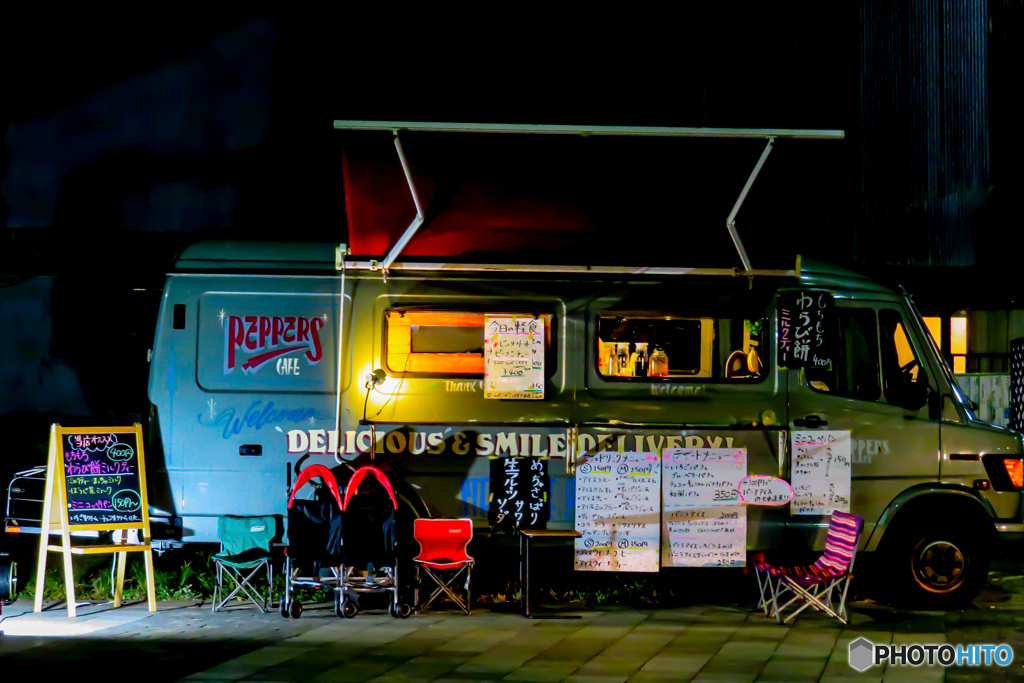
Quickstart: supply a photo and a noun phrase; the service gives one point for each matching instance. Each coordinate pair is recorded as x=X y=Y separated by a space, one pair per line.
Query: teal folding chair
x=245 y=549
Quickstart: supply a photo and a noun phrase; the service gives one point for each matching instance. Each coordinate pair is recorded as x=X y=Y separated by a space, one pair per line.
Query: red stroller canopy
x=357 y=478
x=317 y=471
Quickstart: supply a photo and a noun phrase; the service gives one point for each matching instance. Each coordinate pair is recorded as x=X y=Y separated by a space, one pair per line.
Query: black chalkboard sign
x=102 y=478
x=808 y=329
x=519 y=494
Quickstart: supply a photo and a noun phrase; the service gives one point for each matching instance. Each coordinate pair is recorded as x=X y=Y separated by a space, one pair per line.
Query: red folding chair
x=443 y=544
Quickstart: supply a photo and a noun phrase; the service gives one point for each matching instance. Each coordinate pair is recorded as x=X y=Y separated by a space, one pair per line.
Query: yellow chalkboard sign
x=95 y=481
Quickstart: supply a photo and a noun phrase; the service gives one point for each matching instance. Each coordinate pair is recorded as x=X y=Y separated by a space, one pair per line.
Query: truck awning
x=594 y=194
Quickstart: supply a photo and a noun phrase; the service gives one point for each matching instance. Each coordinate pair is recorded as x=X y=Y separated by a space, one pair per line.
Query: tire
x=283 y=608
x=404 y=611
x=348 y=610
x=295 y=609
x=8 y=580
x=934 y=565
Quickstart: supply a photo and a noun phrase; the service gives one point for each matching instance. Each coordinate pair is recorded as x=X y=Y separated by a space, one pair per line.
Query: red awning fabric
x=471 y=215
x=563 y=199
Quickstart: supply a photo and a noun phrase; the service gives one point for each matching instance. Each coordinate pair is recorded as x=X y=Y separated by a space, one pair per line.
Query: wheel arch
x=934 y=499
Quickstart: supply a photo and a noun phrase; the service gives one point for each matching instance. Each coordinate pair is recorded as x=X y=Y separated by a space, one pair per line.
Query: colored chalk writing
x=101 y=475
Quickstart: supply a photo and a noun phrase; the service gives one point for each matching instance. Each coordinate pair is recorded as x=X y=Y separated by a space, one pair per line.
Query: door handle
x=811 y=421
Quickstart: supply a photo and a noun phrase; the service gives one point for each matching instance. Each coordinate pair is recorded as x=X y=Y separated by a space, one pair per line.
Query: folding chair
x=443 y=545
x=764 y=586
x=245 y=549
x=814 y=585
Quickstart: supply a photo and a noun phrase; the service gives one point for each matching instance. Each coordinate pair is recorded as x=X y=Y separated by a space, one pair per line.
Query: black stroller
x=313 y=556
x=369 y=558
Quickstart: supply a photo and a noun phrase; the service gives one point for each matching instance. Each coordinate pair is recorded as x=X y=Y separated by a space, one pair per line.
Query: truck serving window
x=440 y=342
x=642 y=346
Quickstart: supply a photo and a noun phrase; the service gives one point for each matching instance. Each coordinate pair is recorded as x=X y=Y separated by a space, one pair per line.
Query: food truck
x=627 y=403
x=270 y=355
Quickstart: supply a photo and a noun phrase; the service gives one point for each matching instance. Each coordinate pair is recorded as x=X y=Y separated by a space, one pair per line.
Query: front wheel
x=936 y=567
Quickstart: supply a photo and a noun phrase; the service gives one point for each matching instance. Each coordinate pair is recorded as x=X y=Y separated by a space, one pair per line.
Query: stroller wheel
x=402 y=610
x=295 y=609
x=283 y=608
x=347 y=609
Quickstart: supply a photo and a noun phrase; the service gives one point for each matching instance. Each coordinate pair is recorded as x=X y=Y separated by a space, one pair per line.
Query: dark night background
x=126 y=139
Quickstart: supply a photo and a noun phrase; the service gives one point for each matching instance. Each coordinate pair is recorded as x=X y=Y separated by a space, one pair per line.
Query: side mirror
x=915 y=396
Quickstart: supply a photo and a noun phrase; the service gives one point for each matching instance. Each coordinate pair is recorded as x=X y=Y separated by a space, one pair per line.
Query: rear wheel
x=295 y=609
x=348 y=609
x=936 y=566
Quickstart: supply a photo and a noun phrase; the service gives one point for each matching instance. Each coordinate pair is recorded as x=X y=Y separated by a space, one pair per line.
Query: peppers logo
x=266 y=337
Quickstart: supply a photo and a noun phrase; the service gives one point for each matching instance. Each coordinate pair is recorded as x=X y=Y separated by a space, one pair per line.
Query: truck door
x=877 y=390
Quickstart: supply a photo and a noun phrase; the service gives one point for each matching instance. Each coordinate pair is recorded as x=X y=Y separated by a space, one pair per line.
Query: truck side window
x=904 y=381
x=644 y=346
x=440 y=343
x=856 y=372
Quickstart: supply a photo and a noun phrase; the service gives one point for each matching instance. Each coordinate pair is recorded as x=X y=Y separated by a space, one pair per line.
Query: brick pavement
x=699 y=642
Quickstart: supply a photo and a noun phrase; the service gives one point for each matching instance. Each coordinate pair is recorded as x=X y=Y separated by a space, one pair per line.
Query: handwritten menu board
x=618 y=500
x=513 y=357
x=807 y=329
x=519 y=494
x=821 y=472
x=704 y=521
x=101 y=472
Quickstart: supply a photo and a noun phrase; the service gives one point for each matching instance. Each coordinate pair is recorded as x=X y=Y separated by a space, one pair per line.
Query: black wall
x=127 y=138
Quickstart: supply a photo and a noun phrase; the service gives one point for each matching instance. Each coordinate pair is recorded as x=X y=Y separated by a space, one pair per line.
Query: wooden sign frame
x=56 y=520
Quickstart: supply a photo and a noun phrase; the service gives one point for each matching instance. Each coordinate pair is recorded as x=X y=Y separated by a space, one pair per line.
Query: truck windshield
x=950 y=377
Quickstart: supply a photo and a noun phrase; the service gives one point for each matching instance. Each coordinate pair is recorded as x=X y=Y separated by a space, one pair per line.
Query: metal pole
x=341 y=358
x=547 y=129
x=416 y=222
x=730 y=222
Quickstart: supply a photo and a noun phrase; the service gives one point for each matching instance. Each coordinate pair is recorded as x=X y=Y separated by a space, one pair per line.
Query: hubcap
x=939 y=566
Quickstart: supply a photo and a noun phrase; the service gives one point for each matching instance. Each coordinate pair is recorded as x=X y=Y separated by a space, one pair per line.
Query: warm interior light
x=1015 y=468
x=934 y=326
x=958 y=335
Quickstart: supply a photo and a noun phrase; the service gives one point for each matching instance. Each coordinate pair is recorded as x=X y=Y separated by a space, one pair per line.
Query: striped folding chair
x=815 y=585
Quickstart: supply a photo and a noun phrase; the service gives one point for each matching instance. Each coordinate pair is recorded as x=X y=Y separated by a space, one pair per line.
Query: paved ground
x=701 y=642
x=698 y=642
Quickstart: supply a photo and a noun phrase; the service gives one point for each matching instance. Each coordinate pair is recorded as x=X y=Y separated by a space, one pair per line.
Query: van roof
x=228 y=255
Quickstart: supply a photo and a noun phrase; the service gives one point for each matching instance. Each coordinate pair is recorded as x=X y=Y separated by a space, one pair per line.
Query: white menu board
x=820 y=472
x=704 y=523
x=513 y=357
x=618 y=496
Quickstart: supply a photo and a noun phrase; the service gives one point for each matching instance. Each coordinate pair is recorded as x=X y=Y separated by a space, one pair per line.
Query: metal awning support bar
x=416 y=222
x=730 y=222
x=582 y=270
x=655 y=131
